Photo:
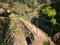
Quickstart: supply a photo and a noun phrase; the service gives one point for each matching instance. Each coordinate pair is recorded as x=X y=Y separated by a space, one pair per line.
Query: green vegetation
x=50 y=13
x=53 y=21
x=46 y=43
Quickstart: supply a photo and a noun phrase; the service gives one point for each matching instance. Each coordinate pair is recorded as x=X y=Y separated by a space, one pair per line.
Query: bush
x=50 y=13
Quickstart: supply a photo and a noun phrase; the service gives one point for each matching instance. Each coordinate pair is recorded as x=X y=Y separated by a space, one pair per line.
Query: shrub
x=50 y=13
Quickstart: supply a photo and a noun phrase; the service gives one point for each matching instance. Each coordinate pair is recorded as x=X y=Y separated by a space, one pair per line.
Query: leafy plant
x=46 y=43
x=49 y=11
x=53 y=20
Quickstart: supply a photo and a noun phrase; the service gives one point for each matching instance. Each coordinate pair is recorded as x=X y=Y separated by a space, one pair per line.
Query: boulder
x=4 y=13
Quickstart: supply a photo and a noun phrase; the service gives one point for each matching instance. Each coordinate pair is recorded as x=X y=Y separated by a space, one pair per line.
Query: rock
x=4 y=13
x=56 y=38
